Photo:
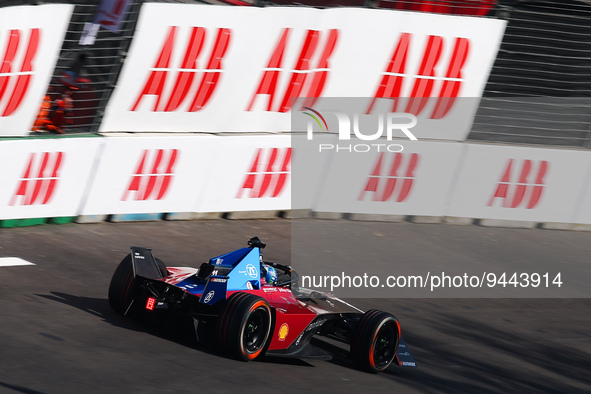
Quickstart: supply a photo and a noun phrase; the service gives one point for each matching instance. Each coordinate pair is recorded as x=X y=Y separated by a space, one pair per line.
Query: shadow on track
x=19 y=389
x=176 y=329
x=470 y=355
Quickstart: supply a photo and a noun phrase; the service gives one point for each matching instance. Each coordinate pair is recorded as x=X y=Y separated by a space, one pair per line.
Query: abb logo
x=38 y=182
x=267 y=177
x=394 y=182
x=151 y=182
x=423 y=84
x=14 y=73
x=512 y=192
x=303 y=72
x=188 y=71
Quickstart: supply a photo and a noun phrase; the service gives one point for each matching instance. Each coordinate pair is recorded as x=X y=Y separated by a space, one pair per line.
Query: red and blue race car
x=250 y=308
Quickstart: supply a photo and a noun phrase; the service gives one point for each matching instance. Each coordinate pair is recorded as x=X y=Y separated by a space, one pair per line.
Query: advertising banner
x=174 y=174
x=195 y=68
x=45 y=177
x=151 y=174
x=249 y=174
x=31 y=38
x=520 y=183
x=415 y=181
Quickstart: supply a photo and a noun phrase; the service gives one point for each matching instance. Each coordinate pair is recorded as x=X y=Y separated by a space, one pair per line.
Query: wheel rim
x=385 y=345
x=255 y=330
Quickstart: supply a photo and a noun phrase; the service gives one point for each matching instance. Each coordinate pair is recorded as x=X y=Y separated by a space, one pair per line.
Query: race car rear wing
x=144 y=263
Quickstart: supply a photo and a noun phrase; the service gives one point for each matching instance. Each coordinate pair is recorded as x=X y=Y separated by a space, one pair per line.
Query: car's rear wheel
x=123 y=287
x=375 y=341
x=244 y=326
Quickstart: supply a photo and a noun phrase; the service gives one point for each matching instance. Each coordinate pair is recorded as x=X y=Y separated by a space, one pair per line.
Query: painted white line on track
x=13 y=261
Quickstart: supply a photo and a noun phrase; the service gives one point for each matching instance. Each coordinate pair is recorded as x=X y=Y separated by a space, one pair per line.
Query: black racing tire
x=123 y=287
x=375 y=341
x=244 y=326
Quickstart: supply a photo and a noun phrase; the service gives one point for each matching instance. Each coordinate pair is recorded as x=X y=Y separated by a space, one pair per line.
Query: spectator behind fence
x=53 y=115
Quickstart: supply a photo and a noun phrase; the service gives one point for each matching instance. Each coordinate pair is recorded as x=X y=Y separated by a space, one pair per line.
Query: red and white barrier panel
x=173 y=174
x=45 y=178
x=519 y=183
x=150 y=174
x=191 y=174
x=249 y=174
x=416 y=181
x=31 y=38
x=222 y=69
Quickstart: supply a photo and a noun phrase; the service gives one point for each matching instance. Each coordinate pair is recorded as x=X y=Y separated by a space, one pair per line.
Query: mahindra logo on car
x=151 y=182
x=39 y=180
x=188 y=71
x=14 y=74
x=267 y=174
x=520 y=188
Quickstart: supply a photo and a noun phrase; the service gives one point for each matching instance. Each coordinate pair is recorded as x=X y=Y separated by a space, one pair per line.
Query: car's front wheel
x=244 y=326
x=375 y=341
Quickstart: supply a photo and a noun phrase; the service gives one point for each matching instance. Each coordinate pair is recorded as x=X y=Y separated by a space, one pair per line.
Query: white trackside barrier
x=141 y=174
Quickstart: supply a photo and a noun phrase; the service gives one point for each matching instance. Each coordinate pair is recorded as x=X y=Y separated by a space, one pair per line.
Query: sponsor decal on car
x=251 y=271
x=315 y=325
x=283 y=331
x=208 y=297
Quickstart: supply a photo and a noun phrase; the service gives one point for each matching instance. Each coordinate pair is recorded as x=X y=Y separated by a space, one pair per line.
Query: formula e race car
x=250 y=307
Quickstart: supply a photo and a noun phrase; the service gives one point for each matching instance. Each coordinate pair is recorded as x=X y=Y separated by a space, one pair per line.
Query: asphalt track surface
x=58 y=334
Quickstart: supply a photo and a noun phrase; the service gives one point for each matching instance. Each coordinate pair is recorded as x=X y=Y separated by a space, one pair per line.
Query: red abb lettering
x=453 y=79
x=513 y=194
x=383 y=186
x=23 y=74
x=267 y=179
x=212 y=75
x=156 y=81
x=184 y=79
x=302 y=73
x=390 y=86
x=423 y=87
x=152 y=184
x=40 y=188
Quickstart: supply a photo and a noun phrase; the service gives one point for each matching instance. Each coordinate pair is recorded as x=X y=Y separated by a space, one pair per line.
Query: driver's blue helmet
x=271 y=275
